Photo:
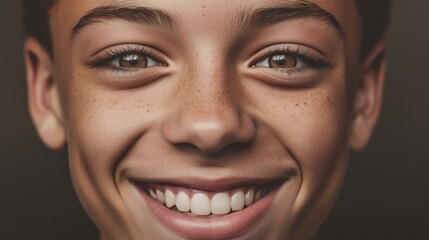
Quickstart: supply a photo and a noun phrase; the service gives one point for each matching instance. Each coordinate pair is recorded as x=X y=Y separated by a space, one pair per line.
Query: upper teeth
x=200 y=203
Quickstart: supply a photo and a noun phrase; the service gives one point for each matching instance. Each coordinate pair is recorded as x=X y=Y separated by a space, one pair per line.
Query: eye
x=282 y=60
x=134 y=60
x=128 y=58
x=287 y=61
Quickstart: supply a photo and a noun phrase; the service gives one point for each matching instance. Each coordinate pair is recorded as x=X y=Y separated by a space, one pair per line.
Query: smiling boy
x=206 y=119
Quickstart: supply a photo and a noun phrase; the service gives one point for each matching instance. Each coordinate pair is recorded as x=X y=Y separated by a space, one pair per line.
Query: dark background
x=385 y=196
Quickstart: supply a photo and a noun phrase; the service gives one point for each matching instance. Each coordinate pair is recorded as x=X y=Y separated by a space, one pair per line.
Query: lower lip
x=221 y=227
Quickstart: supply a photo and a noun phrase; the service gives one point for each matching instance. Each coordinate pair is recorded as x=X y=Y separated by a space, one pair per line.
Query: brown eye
x=133 y=61
x=282 y=61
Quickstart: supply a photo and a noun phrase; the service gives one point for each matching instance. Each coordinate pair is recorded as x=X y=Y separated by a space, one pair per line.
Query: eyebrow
x=261 y=17
x=288 y=11
x=136 y=14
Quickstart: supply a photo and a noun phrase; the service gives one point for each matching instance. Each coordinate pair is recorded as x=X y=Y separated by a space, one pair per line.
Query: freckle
x=297 y=104
x=148 y=110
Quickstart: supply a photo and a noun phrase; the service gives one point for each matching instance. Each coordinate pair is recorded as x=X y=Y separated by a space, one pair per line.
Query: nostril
x=234 y=147
x=188 y=147
x=228 y=148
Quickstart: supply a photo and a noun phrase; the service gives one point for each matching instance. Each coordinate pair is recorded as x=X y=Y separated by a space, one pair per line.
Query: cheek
x=311 y=123
x=320 y=147
x=104 y=123
x=102 y=126
x=312 y=126
x=314 y=129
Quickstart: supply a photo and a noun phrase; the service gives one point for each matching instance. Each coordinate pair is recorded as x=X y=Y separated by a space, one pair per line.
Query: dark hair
x=375 y=18
x=374 y=14
x=36 y=21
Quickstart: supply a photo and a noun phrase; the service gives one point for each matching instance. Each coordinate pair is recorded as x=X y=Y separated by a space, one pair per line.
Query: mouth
x=193 y=202
x=206 y=209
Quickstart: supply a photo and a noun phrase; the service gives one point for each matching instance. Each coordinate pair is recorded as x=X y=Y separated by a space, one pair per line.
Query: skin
x=206 y=112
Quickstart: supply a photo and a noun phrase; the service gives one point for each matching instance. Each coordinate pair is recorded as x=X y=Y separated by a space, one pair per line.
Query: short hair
x=375 y=18
x=374 y=14
x=36 y=21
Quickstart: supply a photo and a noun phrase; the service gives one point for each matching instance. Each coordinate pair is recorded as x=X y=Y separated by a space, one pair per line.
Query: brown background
x=386 y=194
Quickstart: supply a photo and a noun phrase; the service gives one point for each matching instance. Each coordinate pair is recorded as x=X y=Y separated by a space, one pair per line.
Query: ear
x=43 y=99
x=369 y=97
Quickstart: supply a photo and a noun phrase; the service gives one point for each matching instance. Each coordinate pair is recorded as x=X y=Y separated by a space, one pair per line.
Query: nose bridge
x=208 y=94
x=208 y=114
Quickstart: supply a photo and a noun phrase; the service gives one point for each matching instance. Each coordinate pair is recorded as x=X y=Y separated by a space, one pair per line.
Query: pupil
x=279 y=60
x=283 y=61
x=131 y=60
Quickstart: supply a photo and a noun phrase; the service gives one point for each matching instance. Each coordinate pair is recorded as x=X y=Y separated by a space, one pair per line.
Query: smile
x=206 y=209
x=202 y=203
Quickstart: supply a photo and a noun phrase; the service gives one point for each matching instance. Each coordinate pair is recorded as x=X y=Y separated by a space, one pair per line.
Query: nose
x=209 y=117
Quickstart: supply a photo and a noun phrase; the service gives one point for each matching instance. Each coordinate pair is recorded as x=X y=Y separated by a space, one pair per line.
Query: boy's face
x=206 y=100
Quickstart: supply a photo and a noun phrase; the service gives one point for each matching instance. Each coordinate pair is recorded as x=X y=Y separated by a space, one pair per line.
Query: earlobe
x=43 y=99
x=369 y=97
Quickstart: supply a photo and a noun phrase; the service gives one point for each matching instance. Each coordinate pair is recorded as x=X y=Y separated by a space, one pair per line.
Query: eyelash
x=112 y=54
x=309 y=61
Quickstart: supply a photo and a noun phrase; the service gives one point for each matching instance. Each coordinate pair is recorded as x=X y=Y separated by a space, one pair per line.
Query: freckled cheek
x=103 y=123
x=320 y=147
x=312 y=126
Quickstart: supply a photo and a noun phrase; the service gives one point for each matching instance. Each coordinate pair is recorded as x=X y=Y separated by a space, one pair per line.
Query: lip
x=219 y=227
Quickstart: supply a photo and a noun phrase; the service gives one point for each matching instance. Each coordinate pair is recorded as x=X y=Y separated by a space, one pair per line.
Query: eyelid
x=312 y=57
x=103 y=58
x=307 y=74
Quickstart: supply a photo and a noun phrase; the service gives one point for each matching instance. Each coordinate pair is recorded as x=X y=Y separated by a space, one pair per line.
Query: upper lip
x=213 y=184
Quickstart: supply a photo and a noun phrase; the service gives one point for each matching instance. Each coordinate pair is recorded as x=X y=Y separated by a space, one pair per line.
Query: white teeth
x=183 y=203
x=170 y=198
x=248 y=199
x=153 y=195
x=161 y=197
x=200 y=204
x=221 y=203
x=237 y=201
